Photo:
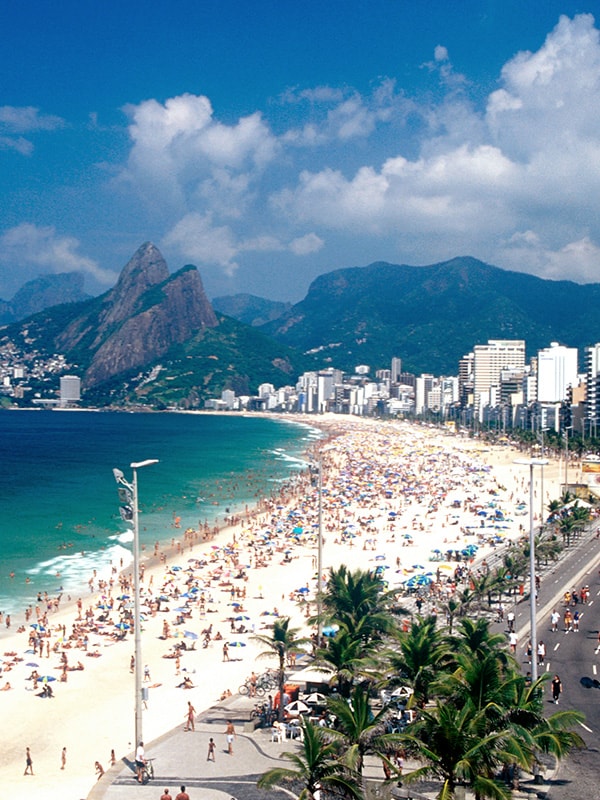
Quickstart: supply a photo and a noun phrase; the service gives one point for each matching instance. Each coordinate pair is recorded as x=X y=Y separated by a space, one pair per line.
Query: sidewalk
x=181 y=759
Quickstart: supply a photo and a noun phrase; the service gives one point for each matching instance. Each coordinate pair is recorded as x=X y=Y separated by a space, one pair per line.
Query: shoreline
x=97 y=702
x=110 y=546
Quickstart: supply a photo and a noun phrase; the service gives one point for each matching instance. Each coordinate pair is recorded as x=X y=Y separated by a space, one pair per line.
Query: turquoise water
x=59 y=509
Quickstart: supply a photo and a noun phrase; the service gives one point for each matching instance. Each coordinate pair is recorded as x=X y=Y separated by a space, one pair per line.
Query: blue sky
x=270 y=142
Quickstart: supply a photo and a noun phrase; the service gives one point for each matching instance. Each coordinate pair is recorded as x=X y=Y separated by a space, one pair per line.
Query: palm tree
x=316 y=767
x=418 y=657
x=284 y=641
x=358 y=730
x=347 y=655
x=456 y=747
x=354 y=598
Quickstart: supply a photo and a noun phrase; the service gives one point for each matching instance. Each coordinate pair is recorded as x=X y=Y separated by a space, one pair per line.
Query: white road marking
x=556 y=646
x=594 y=669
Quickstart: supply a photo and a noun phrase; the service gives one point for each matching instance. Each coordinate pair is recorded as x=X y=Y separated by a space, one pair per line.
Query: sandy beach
x=396 y=497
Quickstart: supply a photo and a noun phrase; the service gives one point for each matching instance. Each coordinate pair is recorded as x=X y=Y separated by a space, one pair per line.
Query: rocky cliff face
x=138 y=321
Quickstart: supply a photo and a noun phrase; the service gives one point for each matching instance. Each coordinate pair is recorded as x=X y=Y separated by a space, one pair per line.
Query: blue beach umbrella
x=46 y=678
x=237 y=644
x=122 y=626
x=37 y=627
x=190 y=635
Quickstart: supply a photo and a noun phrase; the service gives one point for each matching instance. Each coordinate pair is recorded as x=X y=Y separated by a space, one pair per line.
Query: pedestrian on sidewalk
x=190 y=723
x=554 y=620
x=230 y=734
x=510 y=618
x=211 y=750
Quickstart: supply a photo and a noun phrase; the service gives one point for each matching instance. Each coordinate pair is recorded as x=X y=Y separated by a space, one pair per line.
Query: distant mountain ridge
x=43 y=292
x=250 y=309
x=431 y=316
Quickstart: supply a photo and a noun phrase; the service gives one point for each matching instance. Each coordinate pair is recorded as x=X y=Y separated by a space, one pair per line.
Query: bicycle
x=148 y=771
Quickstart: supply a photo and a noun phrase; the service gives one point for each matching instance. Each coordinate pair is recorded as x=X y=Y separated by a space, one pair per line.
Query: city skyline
x=269 y=143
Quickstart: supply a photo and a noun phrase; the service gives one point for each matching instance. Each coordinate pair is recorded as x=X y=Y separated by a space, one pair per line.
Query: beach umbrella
x=330 y=630
x=297 y=707
x=190 y=635
x=241 y=617
x=37 y=627
x=122 y=626
x=235 y=605
x=46 y=678
x=418 y=566
x=303 y=590
x=31 y=664
x=175 y=569
x=237 y=644
x=380 y=558
x=315 y=699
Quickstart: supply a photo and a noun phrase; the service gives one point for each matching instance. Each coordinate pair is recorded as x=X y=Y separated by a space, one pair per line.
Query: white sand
x=92 y=713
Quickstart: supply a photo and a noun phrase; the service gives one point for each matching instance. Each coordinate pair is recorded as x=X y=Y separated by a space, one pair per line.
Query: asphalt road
x=575 y=657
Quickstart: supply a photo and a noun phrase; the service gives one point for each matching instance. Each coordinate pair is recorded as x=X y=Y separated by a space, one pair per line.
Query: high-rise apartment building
x=557 y=370
x=70 y=390
x=592 y=390
x=488 y=362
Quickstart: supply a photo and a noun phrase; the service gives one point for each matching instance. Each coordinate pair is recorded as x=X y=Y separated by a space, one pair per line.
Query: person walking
x=230 y=734
x=554 y=620
x=211 y=750
x=541 y=653
x=190 y=723
x=510 y=618
x=225 y=651
x=556 y=686
x=28 y=762
x=63 y=758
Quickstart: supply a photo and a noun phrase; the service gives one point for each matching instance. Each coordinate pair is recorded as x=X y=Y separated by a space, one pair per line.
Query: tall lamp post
x=128 y=497
x=531 y=463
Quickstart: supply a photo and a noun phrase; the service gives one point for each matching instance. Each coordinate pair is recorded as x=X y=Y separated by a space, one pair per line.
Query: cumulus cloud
x=182 y=151
x=343 y=115
x=200 y=241
x=529 y=159
x=27 y=251
x=305 y=245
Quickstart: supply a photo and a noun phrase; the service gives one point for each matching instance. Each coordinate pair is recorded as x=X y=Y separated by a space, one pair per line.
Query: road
x=575 y=657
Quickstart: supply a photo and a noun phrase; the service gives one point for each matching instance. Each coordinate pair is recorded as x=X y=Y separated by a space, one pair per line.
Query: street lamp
x=531 y=463
x=129 y=509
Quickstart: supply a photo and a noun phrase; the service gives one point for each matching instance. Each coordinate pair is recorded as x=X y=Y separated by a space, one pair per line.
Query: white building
x=70 y=390
x=557 y=370
x=488 y=362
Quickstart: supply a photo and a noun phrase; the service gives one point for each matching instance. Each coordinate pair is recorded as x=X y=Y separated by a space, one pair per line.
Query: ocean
x=59 y=506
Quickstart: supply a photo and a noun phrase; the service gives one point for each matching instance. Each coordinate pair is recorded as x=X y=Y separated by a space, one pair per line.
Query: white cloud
x=24 y=119
x=198 y=240
x=16 y=120
x=578 y=260
x=18 y=143
x=180 y=150
x=530 y=160
x=305 y=245
x=27 y=251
